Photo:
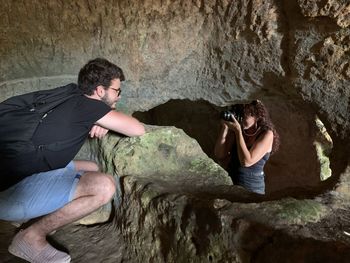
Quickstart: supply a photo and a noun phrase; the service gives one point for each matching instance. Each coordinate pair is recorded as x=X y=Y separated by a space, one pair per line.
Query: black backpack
x=20 y=116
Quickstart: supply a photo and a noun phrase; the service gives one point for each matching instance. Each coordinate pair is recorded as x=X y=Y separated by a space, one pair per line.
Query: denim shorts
x=252 y=181
x=39 y=194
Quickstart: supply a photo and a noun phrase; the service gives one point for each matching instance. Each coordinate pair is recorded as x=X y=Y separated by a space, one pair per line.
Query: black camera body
x=226 y=115
x=236 y=111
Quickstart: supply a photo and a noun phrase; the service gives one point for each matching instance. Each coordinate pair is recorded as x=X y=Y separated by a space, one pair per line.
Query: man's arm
x=121 y=123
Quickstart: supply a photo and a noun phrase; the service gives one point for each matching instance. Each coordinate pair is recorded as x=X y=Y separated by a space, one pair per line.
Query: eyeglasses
x=117 y=90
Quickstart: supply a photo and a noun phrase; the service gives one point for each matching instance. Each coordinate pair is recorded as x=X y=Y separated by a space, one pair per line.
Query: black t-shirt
x=73 y=119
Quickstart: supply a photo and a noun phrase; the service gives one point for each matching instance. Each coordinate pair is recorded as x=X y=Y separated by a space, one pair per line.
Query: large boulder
x=179 y=205
x=163 y=156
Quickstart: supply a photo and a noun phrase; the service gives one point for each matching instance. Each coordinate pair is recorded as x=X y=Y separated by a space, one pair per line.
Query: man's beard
x=108 y=101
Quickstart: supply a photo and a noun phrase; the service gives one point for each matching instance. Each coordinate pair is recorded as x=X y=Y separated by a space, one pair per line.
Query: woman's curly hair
x=258 y=110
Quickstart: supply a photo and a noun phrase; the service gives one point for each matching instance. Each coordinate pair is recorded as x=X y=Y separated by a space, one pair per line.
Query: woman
x=244 y=147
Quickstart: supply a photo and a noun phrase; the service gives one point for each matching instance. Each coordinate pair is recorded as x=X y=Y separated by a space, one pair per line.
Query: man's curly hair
x=98 y=72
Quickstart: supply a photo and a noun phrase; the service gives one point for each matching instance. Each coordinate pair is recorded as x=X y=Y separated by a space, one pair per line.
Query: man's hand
x=98 y=131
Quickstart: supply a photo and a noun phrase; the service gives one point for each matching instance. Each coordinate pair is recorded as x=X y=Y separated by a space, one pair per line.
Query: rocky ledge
x=178 y=205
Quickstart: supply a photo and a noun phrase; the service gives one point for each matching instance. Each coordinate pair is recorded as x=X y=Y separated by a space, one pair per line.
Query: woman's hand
x=98 y=131
x=233 y=125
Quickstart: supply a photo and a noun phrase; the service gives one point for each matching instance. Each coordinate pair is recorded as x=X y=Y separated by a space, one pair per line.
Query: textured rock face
x=219 y=51
x=291 y=54
x=286 y=53
x=337 y=10
x=168 y=49
x=166 y=155
x=321 y=63
x=185 y=208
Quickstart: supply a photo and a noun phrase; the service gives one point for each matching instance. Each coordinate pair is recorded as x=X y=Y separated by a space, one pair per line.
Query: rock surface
x=219 y=51
x=293 y=55
x=337 y=10
x=289 y=54
x=188 y=211
x=186 y=208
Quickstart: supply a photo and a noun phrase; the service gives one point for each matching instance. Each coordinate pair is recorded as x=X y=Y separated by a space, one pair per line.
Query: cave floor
x=335 y=227
x=102 y=243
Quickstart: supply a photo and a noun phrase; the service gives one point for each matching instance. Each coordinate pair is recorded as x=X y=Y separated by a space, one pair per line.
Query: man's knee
x=107 y=187
x=99 y=184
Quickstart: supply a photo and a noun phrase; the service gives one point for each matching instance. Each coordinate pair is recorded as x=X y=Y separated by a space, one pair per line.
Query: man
x=65 y=195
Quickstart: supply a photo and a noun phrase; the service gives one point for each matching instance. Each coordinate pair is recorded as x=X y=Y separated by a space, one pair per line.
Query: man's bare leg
x=93 y=190
x=80 y=166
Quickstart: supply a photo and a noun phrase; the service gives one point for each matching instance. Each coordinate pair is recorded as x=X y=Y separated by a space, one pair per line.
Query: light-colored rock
x=102 y=215
x=292 y=54
x=165 y=156
x=321 y=63
x=162 y=154
x=339 y=10
x=183 y=209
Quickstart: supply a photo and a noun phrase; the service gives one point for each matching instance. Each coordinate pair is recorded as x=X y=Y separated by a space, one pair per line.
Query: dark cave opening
x=199 y=120
x=295 y=166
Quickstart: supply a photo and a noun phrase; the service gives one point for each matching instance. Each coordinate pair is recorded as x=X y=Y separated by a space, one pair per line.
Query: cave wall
x=294 y=55
x=168 y=49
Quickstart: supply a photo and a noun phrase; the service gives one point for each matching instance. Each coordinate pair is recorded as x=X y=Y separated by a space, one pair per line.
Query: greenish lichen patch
x=325 y=170
x=164 y=153
x=294 y=211
x=323 y=144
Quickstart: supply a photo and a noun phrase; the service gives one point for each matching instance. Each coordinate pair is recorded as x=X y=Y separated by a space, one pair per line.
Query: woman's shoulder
x=266 y=134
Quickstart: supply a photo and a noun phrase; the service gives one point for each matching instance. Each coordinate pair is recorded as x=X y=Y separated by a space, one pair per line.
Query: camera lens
x=226 y=115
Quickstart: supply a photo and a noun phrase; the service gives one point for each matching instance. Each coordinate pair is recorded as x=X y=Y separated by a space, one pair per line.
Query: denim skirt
x=252 y=181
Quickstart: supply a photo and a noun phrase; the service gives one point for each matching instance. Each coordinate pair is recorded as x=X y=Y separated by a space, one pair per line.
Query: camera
x=236 y=111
